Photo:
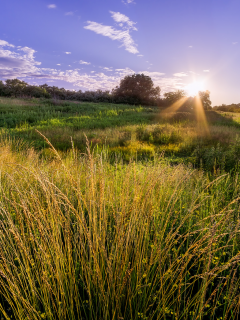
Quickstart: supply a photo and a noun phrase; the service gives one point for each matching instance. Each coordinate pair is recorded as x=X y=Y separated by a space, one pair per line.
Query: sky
x=93 y=44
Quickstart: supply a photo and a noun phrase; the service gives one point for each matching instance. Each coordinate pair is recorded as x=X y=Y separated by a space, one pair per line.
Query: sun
x=193 y=88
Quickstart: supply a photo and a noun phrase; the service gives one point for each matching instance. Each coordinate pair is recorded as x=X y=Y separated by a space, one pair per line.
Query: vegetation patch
x=117 y=212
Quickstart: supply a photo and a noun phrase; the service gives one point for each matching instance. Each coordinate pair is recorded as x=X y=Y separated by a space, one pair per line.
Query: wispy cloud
x=121 y=19
x=140 y=55
x=68 y=52
x=6 y=44
x=120 y=35
x=84 y=62
x=52 y=6
x=19 y=62
x=190 y=47
x=107 y=69
x=234 y=43
x=128 y=1
x=58 y=64
x=193 y=72
x=70 y=13
x=165 y=83
x=180 y=74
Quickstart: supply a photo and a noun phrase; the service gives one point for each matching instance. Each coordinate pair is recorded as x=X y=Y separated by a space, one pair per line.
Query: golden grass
x=83 y=239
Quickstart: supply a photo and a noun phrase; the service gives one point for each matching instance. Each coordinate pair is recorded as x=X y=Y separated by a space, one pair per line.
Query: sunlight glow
x=202 y=124
x=176 y=105
x=193 y=88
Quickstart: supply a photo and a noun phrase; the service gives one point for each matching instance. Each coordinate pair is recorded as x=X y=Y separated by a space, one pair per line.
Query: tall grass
x=81 y=238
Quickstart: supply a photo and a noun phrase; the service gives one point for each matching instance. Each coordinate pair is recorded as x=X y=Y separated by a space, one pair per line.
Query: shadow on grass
x=212 y=117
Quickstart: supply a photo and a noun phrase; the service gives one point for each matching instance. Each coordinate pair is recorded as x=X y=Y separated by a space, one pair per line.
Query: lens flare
x=193 y=88
x=176 y=105
x=202 y=124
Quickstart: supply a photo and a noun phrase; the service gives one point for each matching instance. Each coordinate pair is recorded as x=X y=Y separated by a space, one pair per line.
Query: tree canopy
x=137 y=88
x=205 y=98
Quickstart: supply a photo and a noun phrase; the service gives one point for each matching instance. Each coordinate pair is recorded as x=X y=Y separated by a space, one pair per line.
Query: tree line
x=133 y=89
x=234 y=107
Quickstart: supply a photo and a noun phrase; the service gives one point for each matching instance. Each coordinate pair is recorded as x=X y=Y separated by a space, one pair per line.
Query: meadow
x=117 y=212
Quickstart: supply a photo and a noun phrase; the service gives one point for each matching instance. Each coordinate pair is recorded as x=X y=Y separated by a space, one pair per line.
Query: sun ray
x=176 y=105
x=202 y=123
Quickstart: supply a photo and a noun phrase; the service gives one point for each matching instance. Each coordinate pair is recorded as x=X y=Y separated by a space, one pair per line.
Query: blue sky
x=92 y=44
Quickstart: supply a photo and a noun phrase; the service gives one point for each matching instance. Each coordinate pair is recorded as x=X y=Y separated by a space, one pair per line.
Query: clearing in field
x=120 y=212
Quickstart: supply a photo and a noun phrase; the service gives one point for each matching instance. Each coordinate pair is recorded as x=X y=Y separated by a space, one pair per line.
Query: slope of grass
x=130 y=132
x=114 y=230
x=83 y=239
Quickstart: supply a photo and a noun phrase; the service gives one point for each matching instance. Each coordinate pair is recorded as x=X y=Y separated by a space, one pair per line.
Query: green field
x=132 y=132
x=118 y=212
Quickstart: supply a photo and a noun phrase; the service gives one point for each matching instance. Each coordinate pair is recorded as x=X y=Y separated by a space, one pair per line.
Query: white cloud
x=58 y=64
x=234 y=43
x=84 y=62
x=68 y=52
x=107 y=69
x=52 y=6
x=128 y=1
x=120 y=35
x=180 y=74
x=19 y=62
x=70 y=13
x=121 y=19
x=166 y=84
x=193 y=72
x=190 y=46
x=29 y=53
x=6 y=44
x=140 y=55
x=16 y=63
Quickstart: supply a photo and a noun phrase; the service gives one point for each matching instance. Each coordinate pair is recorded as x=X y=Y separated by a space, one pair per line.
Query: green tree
x=2 y=88
x=15 y=87
x=172 y=97
x=205 y=98
x=137 y=88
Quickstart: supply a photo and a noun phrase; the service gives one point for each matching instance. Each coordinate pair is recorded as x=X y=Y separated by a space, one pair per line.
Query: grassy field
x=131 y=132
x=138 y=221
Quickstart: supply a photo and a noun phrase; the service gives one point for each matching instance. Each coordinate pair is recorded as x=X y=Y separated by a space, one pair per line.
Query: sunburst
x=193 y=88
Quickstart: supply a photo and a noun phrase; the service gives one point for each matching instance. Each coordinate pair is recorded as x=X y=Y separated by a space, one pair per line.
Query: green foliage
x=136 y=89
x=205 y=98
x=171 y=97
x=122 y=128
x=124 y=228
x=234 y=107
